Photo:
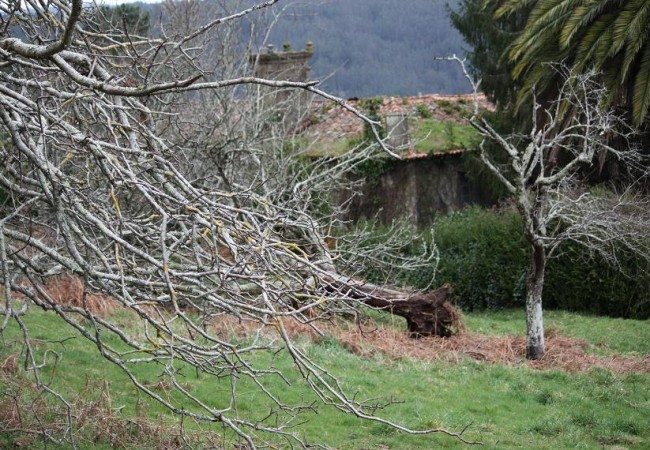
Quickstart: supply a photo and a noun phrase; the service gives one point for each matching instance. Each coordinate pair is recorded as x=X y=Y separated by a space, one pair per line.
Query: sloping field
x=592 y=390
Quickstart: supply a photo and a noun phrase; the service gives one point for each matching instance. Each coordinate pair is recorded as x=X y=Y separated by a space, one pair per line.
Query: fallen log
x=427 y=314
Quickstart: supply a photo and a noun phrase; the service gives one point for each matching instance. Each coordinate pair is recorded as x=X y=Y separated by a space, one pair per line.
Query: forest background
x=361 y=50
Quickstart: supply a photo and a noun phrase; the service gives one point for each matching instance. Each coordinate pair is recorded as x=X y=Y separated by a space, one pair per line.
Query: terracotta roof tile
x=331 y=122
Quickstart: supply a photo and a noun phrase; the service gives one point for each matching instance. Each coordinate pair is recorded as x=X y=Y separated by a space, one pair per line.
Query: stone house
x=430 y=131
x=434 y=140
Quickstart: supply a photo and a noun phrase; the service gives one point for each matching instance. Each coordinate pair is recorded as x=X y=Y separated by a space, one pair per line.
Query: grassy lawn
x=502 y=406
x=428 y=136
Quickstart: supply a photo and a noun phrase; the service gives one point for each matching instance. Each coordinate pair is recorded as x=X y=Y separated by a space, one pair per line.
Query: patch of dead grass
x=69 y=290
x=565 y=353
x=369 y=339
x=29 y=418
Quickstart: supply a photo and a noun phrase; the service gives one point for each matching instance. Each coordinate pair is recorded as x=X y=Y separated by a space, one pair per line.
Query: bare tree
x=143 y=169
x=543 y=175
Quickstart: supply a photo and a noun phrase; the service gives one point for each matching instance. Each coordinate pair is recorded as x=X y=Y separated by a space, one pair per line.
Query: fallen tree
x=427 y=313
x=136 y=167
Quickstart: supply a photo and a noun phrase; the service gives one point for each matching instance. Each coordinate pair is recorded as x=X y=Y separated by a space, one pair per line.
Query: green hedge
x=577 y=281
x=484 y=255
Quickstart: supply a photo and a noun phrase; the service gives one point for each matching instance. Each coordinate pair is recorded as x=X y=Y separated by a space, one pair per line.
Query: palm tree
x=610 y=36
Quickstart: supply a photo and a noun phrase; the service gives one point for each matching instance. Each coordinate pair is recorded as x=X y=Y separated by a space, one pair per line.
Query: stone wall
x=417 y=190
x=288 y=105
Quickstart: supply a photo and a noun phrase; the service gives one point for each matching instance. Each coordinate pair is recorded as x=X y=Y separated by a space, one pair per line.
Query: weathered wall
x=417 y=190
x=288 y=105
x=283 y=65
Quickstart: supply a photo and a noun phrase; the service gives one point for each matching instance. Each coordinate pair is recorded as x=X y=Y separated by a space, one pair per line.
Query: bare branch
x=159 y=176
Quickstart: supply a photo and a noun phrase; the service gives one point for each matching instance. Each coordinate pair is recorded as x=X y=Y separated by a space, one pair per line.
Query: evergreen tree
x=610 y=36
x=489 y=39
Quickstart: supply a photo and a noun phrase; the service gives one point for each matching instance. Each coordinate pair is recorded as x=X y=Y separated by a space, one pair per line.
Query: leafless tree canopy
x=543 y=176
x=150 y=169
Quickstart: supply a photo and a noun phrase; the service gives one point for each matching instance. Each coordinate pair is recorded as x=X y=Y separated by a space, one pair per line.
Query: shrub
x=483 y=255
x=578 y=281
x=423 y=111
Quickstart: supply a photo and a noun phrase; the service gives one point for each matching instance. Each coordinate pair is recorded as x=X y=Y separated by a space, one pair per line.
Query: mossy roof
x=438 y=124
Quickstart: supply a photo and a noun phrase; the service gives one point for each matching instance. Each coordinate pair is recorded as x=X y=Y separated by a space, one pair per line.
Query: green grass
x=431 y=135
x=605 y=335
x=338 y=147
x=428 y=136
x=505 y=407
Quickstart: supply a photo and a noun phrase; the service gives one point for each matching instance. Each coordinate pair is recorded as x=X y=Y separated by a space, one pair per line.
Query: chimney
x=287 y=65
x=397 y=130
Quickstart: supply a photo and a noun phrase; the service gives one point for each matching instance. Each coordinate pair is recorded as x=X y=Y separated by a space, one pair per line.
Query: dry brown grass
x=28 y=419
x=562 y=352
x=69 y=290
x=10 y=365
x=370 y=339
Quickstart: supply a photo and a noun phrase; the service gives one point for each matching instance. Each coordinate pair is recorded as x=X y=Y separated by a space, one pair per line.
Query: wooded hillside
x=365 y=48
x=375 y=48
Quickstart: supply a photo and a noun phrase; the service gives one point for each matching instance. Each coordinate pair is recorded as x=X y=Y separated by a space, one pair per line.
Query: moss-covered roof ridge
x=437 y=124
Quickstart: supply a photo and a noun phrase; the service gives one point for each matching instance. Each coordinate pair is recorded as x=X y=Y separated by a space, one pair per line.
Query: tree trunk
x=426 y=314
x=534 y=316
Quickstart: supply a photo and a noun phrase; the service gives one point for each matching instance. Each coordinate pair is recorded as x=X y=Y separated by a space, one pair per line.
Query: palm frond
x=631 y=24
x=641 y=96
x=592 y=40
x=610 y=36
x=582 y=16
x=614 y=82
x=601 y=53
x=545 y=19
x=512 y=7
